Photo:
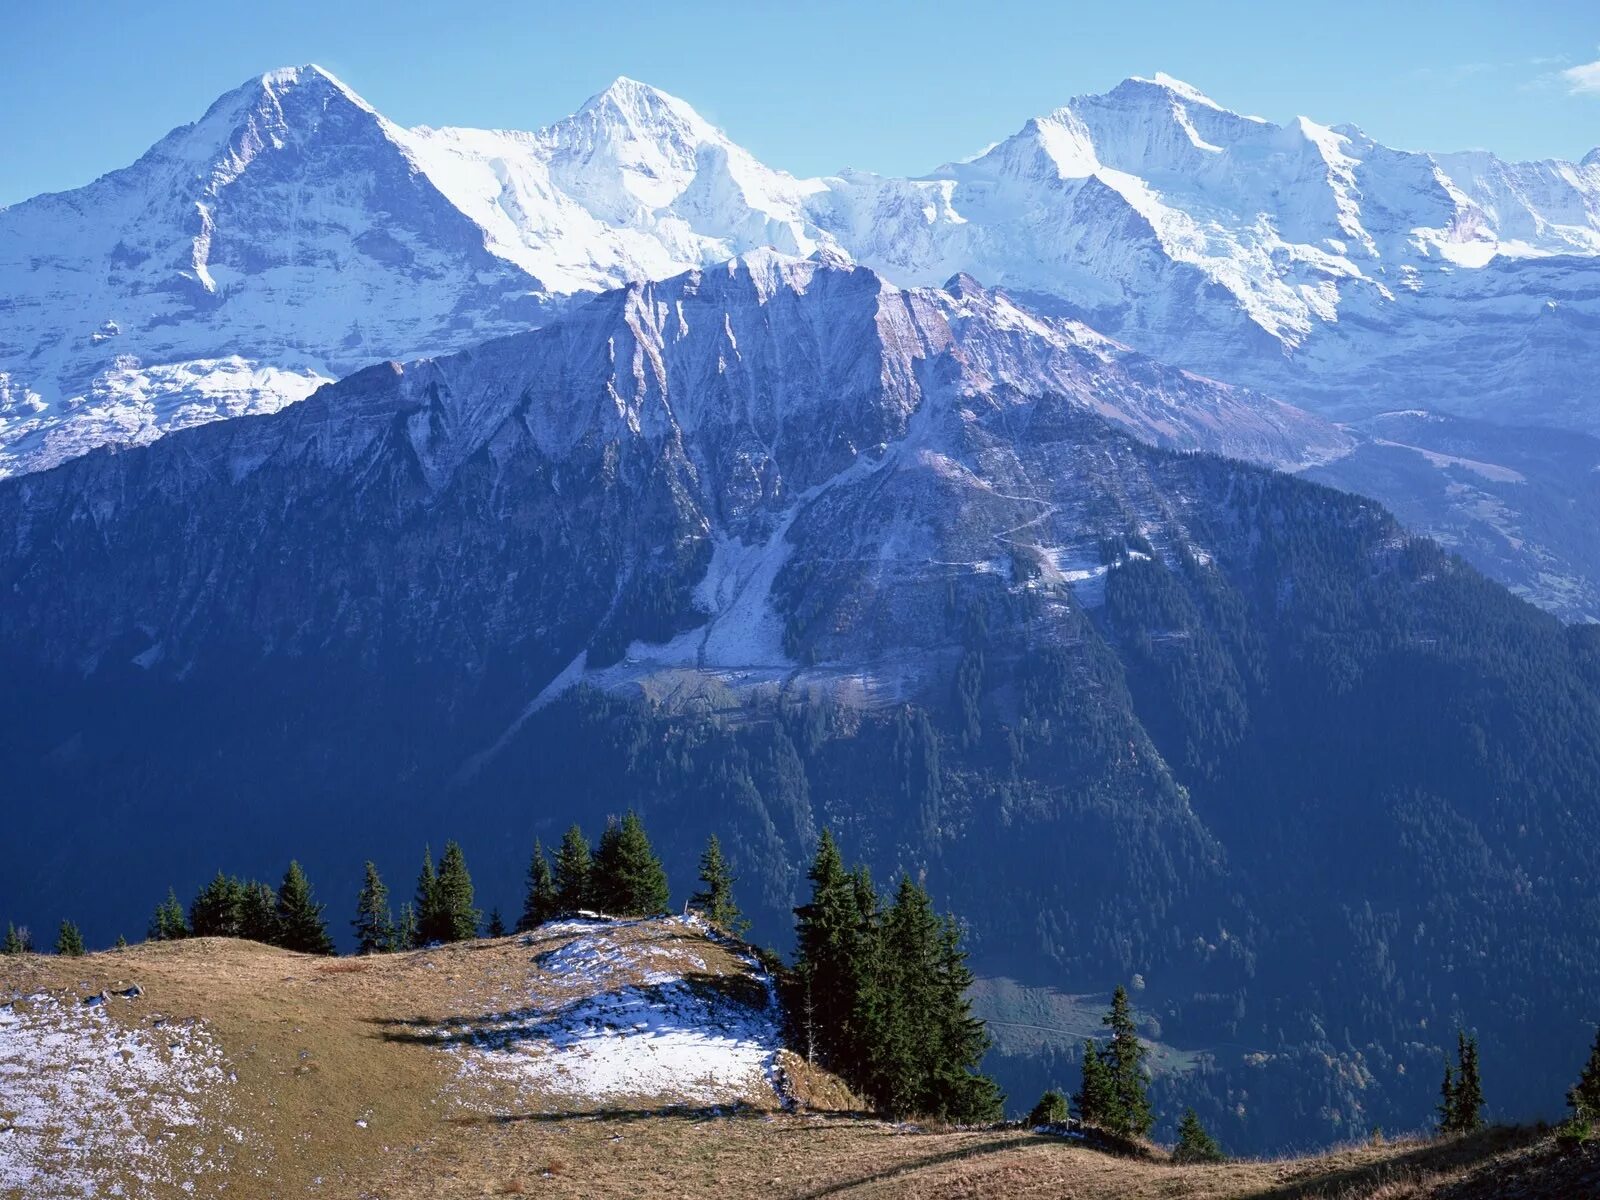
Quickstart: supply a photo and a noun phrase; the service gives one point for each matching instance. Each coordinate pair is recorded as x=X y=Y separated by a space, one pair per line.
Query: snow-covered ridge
x=292 y=234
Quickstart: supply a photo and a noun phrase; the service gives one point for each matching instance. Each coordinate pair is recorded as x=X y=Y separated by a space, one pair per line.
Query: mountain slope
x=776 y=546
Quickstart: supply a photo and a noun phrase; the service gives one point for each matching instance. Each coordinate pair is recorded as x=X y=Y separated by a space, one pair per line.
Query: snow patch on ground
x=623 y=1020
x=91 y=1107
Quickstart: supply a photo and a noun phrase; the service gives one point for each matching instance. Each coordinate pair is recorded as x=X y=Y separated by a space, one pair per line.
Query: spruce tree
x=1130 y=1113
x=906 y=1047
x=960 y=1092
x=217 y=910
x=1469 y=1088
x=300 y=923
x=1447 y=1100
x=1584 y=1096
x=1095 y=1098
x=457 y=919
x=1050 y=1110
x=13 y=942
x=69 y=941
x=828 y=955
x=406 y=934
x=374 y=922
x=258 y=913
x=1195 y=1145
x=426 y=904
x=168 y=923
x=715 y=899
x=628 y=880
x=122 y=942
x=496 y=927
x=541 y=903
x=574 y=872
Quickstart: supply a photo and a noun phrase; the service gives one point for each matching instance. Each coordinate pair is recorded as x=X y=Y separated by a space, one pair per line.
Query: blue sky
x=892 y=87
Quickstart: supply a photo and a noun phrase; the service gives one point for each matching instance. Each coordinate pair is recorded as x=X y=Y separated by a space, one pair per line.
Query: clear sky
x=809 y=87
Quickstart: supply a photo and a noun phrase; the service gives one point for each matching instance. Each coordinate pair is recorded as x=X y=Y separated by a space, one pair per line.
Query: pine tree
x=960 y=1092
x=496 y=927
x=1469 y=1088
x=541 y=903
x=906 y=1047
x=374 y=922
x=122 y=942
x=258 y=913
x=1130 y=1113
x=1095 y=1098
x=217 y=910
x=628 y=880
x=168 y=923
x=13 y=942
x=1461 y=1095
x=715 y=900
x=1051 y=1110
x=406 y=934
x=1584 y=1097
x=69 y=941
x=426 y=904
x=828 y=954
x=1194 y=1143
x=457 y=920
x=300 y=923
x=574 y=872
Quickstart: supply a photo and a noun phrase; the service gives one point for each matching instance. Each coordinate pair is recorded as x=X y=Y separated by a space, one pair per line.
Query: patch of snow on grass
x=92 y=1107
x=630 y=1021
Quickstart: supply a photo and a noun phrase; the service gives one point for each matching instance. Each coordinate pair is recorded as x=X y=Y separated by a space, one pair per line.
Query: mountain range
x=293 y=235
x=654 y=478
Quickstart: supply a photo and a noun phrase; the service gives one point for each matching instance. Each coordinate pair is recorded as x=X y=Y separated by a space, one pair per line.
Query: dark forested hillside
x=1318 y=791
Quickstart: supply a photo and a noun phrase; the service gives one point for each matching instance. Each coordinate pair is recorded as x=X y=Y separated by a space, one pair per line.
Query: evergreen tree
x=168 y=923
x=374 y=922
x=300 y=923
x=122 y=942
x=628 y=880
x=1194 y=1143
x=1095 y=1098
x=1130 y=1113
x=541 y=903
x=828 y=958
x=1051 y=1110
x=426 y=904
x=217 y=911
x=457 y=919
x=258 y=913
x=1461 y=1095
x=406 y=934
x=496 y=927
x=960 y=1092
x=715 y=900
x=1447 y=1099
x=13 y=942
x=69 y=941
x=1584 y=1097
x=1469 y=1088
x=906 y=1045
x=574 y=872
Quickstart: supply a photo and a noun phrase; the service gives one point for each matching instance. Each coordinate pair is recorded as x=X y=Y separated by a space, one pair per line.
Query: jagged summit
x=292 y=233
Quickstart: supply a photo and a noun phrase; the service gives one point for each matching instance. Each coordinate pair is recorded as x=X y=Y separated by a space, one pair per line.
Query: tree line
x=876 y=992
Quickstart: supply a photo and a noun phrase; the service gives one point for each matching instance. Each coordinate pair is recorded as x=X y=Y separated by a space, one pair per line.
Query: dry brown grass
x=306 y=1038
